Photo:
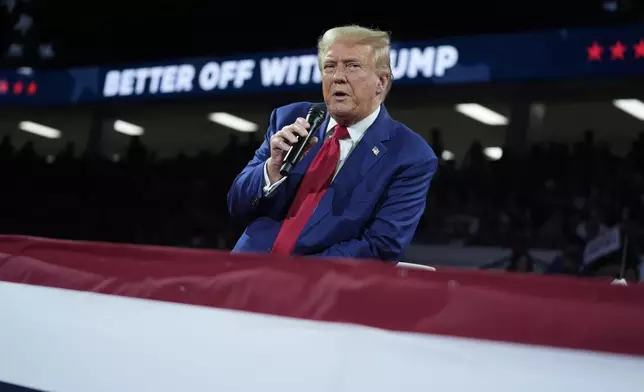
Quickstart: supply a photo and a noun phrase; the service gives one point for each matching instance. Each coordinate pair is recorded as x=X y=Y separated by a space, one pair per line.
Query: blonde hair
x=378 y=40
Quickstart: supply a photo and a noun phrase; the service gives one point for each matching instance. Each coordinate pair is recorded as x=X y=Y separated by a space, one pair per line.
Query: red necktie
x=316 y=181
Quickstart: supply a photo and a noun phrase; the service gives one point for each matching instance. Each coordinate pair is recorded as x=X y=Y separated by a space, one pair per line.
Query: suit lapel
x=365 y=154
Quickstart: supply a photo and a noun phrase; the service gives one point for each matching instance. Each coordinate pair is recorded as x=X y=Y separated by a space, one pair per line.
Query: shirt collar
x=358 y=129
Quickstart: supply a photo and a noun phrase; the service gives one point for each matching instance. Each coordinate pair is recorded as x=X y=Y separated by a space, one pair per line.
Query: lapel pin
x=375 y=151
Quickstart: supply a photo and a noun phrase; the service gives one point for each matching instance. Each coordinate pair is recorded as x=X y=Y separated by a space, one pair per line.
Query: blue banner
x=5 y=387
x=517 y=58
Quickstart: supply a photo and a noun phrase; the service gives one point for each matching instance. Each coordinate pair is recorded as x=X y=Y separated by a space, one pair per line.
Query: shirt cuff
x=268 y=187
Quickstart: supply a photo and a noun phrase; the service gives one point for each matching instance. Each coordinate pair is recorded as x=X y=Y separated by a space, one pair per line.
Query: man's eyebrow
x=345 y=60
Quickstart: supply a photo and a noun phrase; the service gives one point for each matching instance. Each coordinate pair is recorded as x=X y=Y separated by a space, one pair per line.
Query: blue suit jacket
x=371 y=209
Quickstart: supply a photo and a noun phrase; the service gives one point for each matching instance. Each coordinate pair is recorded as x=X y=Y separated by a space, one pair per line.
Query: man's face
x=352 y=89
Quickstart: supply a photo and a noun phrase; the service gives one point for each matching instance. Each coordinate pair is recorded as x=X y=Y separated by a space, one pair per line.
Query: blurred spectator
x=569 y=261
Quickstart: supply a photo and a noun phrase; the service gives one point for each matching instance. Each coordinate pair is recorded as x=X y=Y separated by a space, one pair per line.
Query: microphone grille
x=317 y=110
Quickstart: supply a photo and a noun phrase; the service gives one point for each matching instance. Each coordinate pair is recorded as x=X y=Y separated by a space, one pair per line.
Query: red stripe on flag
x=551 y=311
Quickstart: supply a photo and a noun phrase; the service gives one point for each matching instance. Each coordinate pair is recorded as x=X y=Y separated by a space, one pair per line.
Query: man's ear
x=383 y=82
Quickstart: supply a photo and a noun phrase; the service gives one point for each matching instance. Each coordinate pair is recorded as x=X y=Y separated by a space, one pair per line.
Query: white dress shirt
x=356 y=131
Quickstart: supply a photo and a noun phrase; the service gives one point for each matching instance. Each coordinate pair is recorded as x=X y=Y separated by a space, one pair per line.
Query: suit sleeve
x=394 y=224
x=246 y=197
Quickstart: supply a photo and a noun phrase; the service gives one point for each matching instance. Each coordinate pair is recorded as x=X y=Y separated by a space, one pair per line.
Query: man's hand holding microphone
x=281 y=143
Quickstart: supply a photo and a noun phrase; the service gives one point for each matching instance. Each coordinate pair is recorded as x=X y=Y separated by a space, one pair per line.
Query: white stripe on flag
x=69 y=341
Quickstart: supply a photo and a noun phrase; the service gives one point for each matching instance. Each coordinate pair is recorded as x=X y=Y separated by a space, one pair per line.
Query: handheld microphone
x=315 y=118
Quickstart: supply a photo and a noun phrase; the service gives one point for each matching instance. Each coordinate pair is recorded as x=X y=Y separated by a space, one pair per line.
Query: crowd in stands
x=554 y=196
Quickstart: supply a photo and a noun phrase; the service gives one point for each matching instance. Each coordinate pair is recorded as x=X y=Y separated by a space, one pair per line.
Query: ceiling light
x=39 y=129
x=447 y=155
x=494 y=153
x=234 y=122
x=25 y=71
x=634 y=107
x=481 y=114
x=128 y=128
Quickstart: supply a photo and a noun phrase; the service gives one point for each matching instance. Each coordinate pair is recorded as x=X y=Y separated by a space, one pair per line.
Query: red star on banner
x=32 y=88
x=617 y=51
x=638 y=48
x=4 y=87
x=594 y=52
x=17 y=88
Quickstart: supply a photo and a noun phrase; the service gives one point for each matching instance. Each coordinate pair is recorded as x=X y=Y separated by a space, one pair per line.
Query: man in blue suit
x=361 y=189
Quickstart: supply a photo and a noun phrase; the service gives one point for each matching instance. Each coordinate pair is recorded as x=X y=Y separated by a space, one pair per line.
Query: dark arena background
x=124 y=123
